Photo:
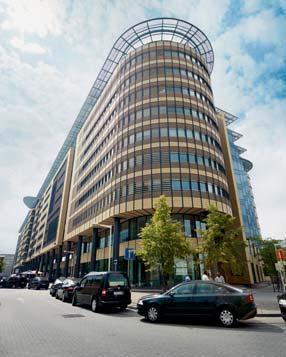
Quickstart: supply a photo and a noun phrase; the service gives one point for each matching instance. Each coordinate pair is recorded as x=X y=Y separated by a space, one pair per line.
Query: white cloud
x=29 y=47
x=33 y=16
x=264 y=131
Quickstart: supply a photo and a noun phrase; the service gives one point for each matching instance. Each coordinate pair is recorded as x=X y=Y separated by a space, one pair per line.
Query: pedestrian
x=219 y=278
x=187 y=278
x=205 y=276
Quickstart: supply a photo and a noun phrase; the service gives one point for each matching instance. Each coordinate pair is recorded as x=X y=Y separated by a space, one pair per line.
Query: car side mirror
x=171 y=293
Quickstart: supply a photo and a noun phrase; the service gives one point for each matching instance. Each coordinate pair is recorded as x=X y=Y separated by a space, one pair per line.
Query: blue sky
x=51 y=52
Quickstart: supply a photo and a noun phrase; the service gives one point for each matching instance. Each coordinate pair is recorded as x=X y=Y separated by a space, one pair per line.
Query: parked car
x=38 y=283
x=65 y=290
x=102 y=289
x=14 y=281
x=282 y=304
x=224 y=303
x=56 y=284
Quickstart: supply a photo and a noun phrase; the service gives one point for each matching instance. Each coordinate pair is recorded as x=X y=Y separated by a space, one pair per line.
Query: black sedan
x=221 y=302
x=38 y=283
x=14 y=281
x=282 y=304
x=66 y=290
x=56 y=284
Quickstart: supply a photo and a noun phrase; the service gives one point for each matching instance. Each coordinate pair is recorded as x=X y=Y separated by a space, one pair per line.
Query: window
x=207 y=289
x=173 y=132
x=183 y=158
x=164 y=132
x=176 y=184
x=185 y=185
x=117 y=280
x=83 y=282
x=195 y=186
x=174 y=156
x=185 y=289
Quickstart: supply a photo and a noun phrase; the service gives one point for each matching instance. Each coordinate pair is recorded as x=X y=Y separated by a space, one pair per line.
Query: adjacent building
x=148 y=127
x=8 y=261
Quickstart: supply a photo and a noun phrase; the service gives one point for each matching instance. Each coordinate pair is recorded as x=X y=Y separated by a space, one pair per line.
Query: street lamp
x=110 y=238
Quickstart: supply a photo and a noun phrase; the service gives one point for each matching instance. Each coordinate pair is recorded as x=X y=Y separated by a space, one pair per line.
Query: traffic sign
x=129 y=254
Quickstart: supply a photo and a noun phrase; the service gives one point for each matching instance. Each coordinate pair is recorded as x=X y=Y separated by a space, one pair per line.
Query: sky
x=50 y=55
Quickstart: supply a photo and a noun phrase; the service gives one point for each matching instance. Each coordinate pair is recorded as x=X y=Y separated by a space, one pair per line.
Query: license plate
x=116 y=293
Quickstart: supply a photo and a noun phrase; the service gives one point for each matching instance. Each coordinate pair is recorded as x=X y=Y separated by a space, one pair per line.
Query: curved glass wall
x=248 y=208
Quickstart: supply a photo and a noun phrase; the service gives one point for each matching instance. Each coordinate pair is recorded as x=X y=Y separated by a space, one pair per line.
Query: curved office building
x=153 y=131
x=148 y=127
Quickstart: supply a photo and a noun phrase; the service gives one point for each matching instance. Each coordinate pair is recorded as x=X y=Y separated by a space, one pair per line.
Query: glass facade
x=241 y=167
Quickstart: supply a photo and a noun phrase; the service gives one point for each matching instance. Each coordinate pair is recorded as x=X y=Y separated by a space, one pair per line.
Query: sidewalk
x=265 y=299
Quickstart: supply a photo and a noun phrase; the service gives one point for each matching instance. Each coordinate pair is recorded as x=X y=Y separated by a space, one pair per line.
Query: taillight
x=103 y=292
x=71 y=288
x=250 y=299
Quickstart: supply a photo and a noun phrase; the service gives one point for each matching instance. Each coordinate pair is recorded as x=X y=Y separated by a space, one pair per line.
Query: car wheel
x=284 y=318
x=74 y=300
x=94 y=305
x=123 y=307
x=153 y=313
x=226 y=317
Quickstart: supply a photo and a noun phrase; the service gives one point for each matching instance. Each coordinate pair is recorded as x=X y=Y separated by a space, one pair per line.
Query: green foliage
x=220 y=242
x=1 y=265
x=163 y=241
x=267 y=253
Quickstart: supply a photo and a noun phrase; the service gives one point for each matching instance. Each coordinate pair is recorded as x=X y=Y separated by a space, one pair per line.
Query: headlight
x=282 y=302
x=140 y=302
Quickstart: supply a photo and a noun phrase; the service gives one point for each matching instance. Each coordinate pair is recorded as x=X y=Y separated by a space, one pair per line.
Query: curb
x=277 y=314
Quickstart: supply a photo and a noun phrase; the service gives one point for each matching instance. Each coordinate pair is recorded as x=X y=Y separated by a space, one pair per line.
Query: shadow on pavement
x=242 y=326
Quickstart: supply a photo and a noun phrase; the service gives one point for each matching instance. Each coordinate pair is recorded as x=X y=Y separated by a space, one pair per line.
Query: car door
x=180 y=301
x=204 y=301
x=80 y=291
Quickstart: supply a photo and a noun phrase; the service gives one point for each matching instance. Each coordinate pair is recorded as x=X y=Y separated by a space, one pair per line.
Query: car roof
x=102 y=272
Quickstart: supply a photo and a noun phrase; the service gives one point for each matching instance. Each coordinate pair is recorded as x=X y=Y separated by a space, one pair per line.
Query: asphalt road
x=32 y=323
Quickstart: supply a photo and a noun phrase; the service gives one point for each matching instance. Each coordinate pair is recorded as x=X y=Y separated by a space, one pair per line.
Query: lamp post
x=110 y=238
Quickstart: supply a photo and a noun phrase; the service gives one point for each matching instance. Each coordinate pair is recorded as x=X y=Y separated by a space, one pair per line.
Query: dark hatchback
x=282 y=304
x=56 y=284
x=102 y=289
x=221 y=302
x=38 y=283
x=66 y=290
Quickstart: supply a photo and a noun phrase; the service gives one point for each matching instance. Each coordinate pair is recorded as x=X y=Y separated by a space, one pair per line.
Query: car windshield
x=117 y=280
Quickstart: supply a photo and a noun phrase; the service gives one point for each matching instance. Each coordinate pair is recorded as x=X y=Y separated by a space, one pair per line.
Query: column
x=66 y=268
x=116 y=242
x=41 y=263
x=78 y=256
x=51 y=266
x=59 y=260
x=93 y=249
x=47 y=263
x=139 y=273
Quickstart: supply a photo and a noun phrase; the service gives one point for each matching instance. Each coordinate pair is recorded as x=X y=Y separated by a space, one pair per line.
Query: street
x=32 y=323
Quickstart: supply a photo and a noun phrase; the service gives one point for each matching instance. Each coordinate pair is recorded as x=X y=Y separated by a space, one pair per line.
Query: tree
x=163 y=241
x=1 y=264
x=267 y=253
x=220 y=242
